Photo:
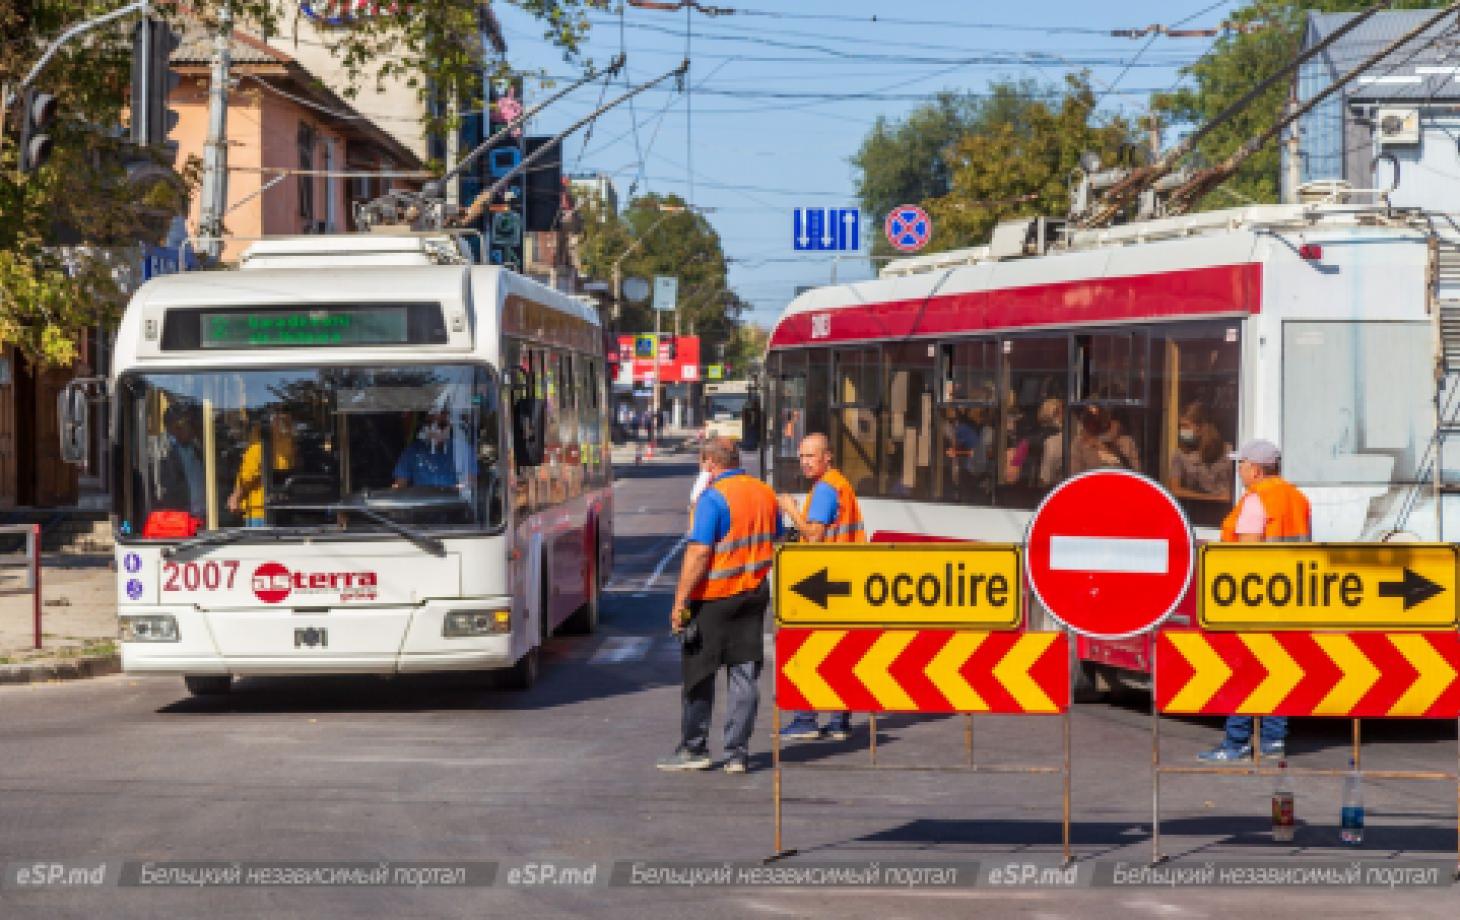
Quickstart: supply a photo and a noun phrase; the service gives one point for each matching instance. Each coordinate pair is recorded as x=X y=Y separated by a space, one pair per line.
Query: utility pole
x=1153 y=136
x=215 y=149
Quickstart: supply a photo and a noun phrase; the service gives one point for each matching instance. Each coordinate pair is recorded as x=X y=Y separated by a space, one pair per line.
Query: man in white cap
x=1271 y=510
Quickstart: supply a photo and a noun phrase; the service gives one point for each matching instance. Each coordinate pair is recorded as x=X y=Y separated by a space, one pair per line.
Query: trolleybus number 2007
x=190 y=576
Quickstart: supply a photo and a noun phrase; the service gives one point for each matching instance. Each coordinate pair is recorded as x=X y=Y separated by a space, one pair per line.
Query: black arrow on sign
x=1415 y=588
x=817 y=588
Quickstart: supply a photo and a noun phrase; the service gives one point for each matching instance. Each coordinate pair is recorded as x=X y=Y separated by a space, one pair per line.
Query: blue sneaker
x=1274 y=748
x=1224 y=753
x=801 y=730
x=838 y=730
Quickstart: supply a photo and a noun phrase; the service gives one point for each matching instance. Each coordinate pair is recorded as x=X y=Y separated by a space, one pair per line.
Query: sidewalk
x=78 y=621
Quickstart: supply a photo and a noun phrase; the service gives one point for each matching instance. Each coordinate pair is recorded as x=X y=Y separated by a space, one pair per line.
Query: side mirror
x=74 y=416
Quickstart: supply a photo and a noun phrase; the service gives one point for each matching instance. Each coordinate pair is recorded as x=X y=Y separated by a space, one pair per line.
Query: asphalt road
x=131 y=773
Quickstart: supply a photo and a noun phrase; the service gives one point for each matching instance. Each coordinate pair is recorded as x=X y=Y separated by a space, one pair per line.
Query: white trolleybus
x=958 y=388
x=354 y=455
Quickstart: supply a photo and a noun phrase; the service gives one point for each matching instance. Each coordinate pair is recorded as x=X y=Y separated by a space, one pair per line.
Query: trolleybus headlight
x=152 y=628
x=477 y=623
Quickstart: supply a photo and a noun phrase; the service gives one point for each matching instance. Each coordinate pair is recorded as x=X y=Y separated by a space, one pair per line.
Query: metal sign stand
x=1256 y=768
x=970 y=766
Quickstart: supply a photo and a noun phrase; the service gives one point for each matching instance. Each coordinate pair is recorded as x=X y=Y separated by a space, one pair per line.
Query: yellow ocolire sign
x=1301 y=586
x=968 y=585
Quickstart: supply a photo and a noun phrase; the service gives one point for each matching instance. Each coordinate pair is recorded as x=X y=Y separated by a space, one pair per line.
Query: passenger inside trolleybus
x=346 y=432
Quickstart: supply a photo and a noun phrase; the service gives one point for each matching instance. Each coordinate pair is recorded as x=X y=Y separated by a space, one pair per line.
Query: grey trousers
x=740 y=709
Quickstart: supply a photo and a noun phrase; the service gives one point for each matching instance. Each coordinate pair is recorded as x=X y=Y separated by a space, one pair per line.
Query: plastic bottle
x=1282 y=806
x=1352 y=817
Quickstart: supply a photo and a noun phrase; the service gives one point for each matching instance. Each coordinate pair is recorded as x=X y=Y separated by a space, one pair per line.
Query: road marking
x=1110 y=554
x=659 y=569
x=618 y=649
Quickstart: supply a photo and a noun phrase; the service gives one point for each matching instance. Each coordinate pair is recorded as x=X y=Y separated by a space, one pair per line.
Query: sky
x=780 y=95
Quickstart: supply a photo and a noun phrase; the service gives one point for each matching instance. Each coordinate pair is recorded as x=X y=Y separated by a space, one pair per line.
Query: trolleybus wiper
x=428 y=543
x=219 y=538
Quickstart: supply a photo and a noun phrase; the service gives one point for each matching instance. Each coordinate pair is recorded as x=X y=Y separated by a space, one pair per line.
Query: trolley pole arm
x=485 y=198
x=614 y=66
x=1128 y=189
x=1186 y=195
x=81 y=28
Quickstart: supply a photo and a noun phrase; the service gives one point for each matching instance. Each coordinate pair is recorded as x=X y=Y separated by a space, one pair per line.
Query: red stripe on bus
x=1197 y=292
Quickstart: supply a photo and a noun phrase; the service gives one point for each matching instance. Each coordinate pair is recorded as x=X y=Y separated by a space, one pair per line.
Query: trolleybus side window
x=1194 y=392
x=966 y=445
x=1036 y=385
x=787 y=371
x=910 y=428
x=1107 y=424
x=856 y=399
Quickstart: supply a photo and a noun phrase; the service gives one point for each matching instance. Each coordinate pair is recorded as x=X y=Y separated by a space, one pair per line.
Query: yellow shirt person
x=248 y=489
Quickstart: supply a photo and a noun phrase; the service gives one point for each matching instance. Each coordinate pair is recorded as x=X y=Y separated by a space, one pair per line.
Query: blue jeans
x=1239 y=730
x=744 y=700
x=842 y=719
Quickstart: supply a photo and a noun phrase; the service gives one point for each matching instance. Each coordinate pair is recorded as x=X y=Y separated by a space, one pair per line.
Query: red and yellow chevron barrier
x=922 y=670
x=1360 y=675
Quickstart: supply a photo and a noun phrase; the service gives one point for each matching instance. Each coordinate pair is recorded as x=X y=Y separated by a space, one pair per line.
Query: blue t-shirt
x=421 y=466
x=824 y=506
x=712 y=514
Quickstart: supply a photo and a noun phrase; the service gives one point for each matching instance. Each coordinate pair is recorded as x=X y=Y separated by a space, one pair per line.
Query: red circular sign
x=271 y=582
x=908 y=228
x=1109 y=554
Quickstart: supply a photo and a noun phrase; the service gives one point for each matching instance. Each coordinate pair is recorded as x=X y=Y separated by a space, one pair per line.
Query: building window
x=306 y=141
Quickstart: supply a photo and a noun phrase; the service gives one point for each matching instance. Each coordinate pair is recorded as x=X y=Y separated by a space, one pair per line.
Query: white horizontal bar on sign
x=1135 y=555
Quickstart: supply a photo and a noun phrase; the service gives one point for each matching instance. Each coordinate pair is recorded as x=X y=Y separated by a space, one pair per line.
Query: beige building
x=286 y=132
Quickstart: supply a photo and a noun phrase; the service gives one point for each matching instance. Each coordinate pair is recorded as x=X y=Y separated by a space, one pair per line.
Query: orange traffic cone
x=650 y=454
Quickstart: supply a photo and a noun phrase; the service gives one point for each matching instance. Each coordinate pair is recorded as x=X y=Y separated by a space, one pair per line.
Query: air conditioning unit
x=1396 y=126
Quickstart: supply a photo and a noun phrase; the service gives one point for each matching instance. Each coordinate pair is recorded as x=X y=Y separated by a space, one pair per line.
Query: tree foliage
x=659 y=235
x=59 y=269
x=1019 y=163
x=973 y=161
x=902 y=162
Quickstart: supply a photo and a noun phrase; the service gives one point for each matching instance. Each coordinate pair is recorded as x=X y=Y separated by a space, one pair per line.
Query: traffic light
x=544 y=186
x=504 y=224
x=37 y=111
x=152 y=82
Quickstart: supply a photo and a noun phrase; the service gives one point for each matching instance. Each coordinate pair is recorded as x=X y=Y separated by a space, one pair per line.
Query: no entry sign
x=1109 y=554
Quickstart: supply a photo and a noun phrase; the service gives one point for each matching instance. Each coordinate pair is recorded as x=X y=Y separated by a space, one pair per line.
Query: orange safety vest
x=1289 y=517
x=848 y=526
x=741 y=560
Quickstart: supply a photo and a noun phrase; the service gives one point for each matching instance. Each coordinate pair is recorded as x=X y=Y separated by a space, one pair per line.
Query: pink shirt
x=1252 y=519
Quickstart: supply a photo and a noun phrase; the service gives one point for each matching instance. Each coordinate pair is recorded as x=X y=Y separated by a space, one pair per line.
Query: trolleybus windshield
x=283 y=449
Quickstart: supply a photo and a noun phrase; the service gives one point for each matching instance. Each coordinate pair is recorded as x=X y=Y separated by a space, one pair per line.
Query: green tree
x=57 y=225
x=1238 y=61
x=1010 y=167
x=902 y=161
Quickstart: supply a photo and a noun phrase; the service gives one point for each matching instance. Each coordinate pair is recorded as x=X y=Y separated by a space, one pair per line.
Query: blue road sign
x=826 y=229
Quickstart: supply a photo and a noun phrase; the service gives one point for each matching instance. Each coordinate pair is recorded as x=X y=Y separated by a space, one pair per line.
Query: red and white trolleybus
x=958 y=388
